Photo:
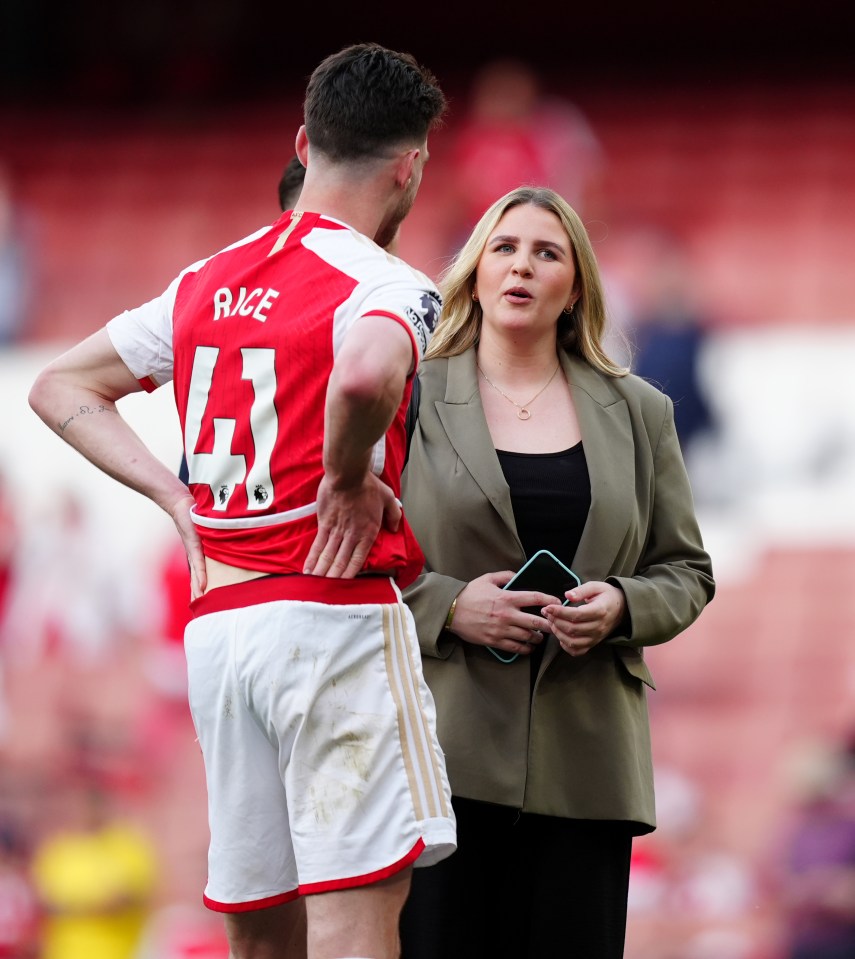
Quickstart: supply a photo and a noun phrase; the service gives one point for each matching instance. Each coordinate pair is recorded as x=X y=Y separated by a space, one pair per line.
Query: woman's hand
x=579 y=628
x=487 y=615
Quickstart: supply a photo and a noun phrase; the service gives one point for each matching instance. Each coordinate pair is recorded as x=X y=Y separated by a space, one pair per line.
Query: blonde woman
x=529 y=437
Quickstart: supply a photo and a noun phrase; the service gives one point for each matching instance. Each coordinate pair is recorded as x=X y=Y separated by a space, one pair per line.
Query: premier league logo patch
x=431 y=305
x=425 y=318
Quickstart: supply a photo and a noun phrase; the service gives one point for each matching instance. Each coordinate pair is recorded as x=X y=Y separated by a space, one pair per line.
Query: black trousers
x=521 y=886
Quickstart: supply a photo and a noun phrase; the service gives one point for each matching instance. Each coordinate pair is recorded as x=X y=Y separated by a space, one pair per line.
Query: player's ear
x=301 y=146
x=404 y=166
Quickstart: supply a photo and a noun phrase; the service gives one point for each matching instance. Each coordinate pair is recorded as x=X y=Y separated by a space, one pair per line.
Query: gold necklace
x=523 y=411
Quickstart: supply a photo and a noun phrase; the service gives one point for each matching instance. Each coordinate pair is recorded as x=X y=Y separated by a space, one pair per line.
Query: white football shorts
x=319 y=739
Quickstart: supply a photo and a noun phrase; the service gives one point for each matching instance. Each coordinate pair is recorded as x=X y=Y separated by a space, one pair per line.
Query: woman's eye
x=549 y=254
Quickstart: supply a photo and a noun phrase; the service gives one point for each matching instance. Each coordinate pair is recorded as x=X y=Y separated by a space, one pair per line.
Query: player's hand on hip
x=349 y=520
x=180 y=513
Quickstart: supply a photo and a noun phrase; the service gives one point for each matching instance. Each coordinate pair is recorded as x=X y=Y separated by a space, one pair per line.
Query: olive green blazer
x=579 y=747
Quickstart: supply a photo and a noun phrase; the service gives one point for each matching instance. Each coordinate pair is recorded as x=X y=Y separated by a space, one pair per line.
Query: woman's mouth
x=517 y=293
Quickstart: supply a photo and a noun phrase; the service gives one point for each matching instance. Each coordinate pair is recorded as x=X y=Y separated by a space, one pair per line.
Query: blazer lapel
x=462 y=417
x=609 y=451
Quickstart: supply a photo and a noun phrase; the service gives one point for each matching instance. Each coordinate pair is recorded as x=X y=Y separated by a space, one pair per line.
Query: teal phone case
x=545 y=573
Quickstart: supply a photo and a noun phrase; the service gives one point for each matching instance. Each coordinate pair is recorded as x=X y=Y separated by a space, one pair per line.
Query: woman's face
x=526 y=275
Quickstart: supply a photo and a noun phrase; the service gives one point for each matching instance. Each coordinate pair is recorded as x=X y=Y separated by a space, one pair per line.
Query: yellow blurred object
x=96 y=889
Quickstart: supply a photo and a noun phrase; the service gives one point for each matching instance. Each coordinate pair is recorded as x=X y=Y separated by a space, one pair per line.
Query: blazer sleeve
x=673 y=578
x=429 y=599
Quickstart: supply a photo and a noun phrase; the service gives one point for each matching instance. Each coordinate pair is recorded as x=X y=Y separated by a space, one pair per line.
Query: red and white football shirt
x=249 y=337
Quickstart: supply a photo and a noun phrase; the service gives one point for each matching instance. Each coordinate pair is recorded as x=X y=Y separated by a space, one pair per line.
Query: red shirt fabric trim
x=375 y=590
x=310 y=888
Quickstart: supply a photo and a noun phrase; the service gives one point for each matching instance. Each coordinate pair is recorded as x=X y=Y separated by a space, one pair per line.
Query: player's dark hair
x=291 y=183
x=365 y=99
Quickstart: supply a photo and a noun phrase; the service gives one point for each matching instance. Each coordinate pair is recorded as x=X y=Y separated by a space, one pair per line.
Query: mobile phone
x=544 y=573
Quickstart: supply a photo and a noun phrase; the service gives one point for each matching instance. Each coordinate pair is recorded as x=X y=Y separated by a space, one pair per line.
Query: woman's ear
x=575 y=295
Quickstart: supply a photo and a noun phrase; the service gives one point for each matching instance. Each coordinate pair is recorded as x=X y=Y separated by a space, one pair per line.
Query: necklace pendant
x=524 y=414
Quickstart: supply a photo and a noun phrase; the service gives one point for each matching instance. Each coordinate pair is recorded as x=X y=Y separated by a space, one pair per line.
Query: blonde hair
x=580 y=333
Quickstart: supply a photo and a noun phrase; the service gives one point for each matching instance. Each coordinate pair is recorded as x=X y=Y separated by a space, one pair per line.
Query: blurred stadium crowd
x=723 y=219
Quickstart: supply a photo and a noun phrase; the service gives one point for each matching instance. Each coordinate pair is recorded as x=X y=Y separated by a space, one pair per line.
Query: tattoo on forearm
x=84 y=411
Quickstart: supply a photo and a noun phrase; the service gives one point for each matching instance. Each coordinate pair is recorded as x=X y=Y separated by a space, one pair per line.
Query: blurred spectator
x=818 y=883
x=166 y=664
x=19 y=911
x=16 y=250
x=95 y=879
x=165 y=719
x=184 y=932
x=667 y=324
x=713 y=885
x=678 y=813
x=9 y=543
x=702 y=895
x=9 y=538
x=511 y=135
x=70 y=596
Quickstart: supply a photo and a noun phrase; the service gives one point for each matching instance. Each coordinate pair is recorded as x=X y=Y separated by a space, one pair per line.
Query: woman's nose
x=522 y=265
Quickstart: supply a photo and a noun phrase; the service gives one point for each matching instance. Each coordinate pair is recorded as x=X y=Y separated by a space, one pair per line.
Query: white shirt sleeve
x=143 y=336
x=415 y=305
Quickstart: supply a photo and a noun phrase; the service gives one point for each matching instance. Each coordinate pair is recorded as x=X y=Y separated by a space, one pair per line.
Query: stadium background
x=135 y=139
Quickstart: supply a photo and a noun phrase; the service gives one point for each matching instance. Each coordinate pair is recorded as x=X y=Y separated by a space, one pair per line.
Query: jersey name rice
x=249 y=337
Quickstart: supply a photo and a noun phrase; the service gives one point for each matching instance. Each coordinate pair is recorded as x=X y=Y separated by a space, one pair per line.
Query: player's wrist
x=345 y=483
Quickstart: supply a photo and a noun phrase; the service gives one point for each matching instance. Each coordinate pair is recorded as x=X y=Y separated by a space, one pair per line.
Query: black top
x=551 y=496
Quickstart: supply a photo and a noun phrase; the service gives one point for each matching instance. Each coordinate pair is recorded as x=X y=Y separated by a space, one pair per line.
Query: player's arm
x=364 y=393
x=76 y=397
